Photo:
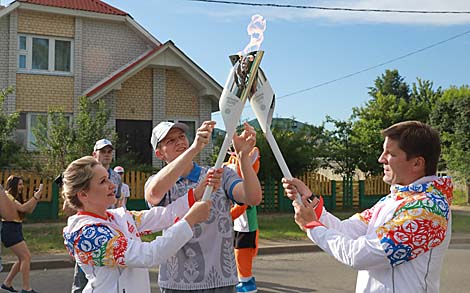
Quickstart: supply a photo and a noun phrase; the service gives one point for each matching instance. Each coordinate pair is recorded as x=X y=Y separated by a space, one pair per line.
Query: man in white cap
x=103 y=152
x=207 y=262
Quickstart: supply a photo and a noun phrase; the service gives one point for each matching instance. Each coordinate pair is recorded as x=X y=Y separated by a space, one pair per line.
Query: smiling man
x=206 y=264
x=398 y=245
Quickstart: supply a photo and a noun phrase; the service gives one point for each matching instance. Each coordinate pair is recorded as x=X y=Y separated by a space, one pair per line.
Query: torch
x=239 y=87
x=262 y=103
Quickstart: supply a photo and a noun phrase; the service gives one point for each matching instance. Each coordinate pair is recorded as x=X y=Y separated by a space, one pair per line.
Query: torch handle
x=280 y=159
x=220 y=159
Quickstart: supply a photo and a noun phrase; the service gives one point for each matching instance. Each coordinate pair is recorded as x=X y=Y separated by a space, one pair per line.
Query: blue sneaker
x=247 y=287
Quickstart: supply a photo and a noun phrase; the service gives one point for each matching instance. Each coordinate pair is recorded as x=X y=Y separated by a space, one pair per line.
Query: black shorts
x=244 y=239
x=12 y=233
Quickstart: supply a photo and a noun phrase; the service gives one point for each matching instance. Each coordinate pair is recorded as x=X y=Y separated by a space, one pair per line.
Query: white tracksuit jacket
x=398 y=245
x=111 y=253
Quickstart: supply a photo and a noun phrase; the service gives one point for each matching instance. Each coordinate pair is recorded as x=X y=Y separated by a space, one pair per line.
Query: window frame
x=29 y=128
x=28 y=52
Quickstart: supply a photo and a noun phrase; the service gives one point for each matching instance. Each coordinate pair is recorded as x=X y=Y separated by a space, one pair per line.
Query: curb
x=45 y=264
x=62 y=262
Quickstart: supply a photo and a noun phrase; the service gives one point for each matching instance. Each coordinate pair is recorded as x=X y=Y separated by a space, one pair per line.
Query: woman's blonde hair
x=77 y=177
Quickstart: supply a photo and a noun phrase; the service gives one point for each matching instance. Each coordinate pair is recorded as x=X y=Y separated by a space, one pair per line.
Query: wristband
x=313 y=224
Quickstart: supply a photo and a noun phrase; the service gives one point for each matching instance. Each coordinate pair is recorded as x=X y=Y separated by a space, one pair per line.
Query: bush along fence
x=344 y=194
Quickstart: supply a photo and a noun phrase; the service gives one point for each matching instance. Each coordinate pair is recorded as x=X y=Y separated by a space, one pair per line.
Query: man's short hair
x=160 y=131
x=417 y=139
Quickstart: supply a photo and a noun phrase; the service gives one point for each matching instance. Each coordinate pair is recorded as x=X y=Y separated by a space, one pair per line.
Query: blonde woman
x=12 y=233
x=106 y=242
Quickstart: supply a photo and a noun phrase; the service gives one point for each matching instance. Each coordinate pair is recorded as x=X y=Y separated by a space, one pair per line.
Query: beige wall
x=134 y=100
x=46 y=24
x=40 y=93
x=182 y=100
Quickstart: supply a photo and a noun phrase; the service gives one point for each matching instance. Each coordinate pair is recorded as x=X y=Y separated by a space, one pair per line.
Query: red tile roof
x=86 y=5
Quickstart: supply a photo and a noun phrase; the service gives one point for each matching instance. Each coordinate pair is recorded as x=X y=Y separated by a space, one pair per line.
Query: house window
x=45 y=54
x=22 y=52
x=32 y=122
x=40 y=57
x=62 y=55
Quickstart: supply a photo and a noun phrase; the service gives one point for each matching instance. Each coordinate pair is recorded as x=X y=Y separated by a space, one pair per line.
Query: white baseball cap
x=102 y=143
x=119 y=169
x=160 y=131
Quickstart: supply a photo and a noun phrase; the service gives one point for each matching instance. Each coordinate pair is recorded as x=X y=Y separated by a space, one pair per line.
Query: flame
x=255 y=29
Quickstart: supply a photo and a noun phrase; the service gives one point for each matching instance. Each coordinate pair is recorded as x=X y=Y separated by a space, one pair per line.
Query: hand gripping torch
x=237 y=89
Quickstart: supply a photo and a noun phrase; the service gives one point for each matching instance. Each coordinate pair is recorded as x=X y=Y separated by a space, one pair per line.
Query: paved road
x=289 y=273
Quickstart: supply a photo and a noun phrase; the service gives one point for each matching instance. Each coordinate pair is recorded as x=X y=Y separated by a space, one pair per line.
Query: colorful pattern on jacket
x=419 y=222
x=97 y=245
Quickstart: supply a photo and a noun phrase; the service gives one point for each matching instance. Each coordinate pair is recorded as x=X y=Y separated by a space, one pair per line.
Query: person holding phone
x=7 y=209
x=12 y=232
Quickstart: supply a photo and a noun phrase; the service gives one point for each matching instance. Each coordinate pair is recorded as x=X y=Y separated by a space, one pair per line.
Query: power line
x=376 y=66
x=334 y=8
x=371 y=67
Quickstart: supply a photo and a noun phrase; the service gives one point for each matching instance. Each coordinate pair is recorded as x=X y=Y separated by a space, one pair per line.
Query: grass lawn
x=460 y=197
x=46 y=238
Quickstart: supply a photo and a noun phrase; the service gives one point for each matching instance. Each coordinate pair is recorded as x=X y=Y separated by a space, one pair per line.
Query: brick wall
x=40 y=93
x=4 y=43
x=12 y=59
x=47 y=24
x=134 y=100
x=158 y=104
x=107 y=46
x=181 y=97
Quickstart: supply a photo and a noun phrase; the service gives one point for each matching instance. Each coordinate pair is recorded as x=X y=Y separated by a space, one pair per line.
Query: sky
x=305 y=48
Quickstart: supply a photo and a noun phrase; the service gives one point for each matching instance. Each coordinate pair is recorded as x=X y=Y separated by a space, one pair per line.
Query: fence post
x=55 y=202
x=285 y=204
x=362 y=189
x=333 y=195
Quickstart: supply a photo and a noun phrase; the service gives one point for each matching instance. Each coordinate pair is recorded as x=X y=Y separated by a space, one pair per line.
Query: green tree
x=62 y=141
x=301 y=150
x=451 y=117
x=391 y=83
x=11 y=154
x=391 y=101
x=342 y=151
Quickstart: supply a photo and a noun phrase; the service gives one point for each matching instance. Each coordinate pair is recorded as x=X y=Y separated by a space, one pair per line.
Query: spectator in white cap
x=125 y=191
x=103 y=152
x=212 y=246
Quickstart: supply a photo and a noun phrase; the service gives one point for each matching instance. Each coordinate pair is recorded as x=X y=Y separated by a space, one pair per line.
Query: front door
x=134 y=140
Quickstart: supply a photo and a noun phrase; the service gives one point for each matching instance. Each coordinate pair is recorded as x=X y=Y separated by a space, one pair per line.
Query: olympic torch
x=238 y=88
x=262 y=103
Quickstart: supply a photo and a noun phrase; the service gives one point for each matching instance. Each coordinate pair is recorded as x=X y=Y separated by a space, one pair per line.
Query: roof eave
x=121 y=75
x=82 y=13
x=114 y=81
x=72 y=12
x=142 y=30
x=7 y=10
